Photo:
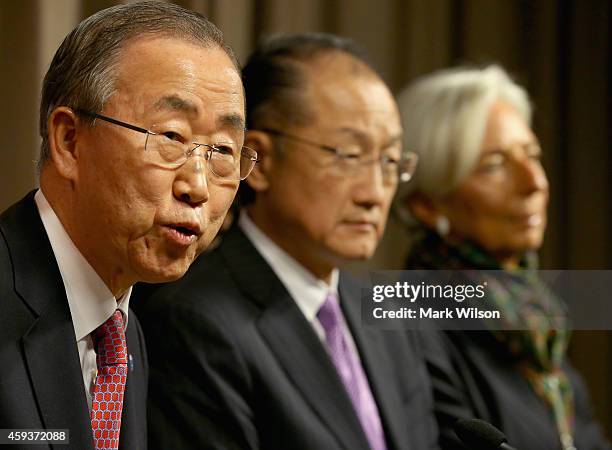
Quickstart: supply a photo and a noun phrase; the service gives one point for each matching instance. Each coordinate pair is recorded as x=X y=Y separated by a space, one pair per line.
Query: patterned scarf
x=528 y=309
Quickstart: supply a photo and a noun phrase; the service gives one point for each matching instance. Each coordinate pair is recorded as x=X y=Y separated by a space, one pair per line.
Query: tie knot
x=109 y=341
x=330 y=314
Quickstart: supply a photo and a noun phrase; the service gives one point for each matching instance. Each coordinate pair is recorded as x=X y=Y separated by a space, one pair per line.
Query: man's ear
x=424 y=209
x=62 y=136
x=262 y=143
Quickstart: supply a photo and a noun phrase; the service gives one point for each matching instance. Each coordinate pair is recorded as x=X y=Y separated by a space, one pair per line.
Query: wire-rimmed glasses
x=226 y=160
x=351 y=161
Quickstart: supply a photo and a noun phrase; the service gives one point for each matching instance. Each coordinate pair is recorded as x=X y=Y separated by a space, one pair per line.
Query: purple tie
x=350 y=371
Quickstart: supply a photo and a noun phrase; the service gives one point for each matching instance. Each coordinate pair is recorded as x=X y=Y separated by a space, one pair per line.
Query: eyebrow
x=176 y=103
x=232 y=120
x=359 y=135
x=393 y=140
x=506 y=149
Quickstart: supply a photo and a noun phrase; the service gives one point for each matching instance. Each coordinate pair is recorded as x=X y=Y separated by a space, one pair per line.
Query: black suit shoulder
x=198 y=372
x=41 y=383
x=236 y=365
x=6 y=266
x=206 y=294
x=474 y=378
x=12 y=308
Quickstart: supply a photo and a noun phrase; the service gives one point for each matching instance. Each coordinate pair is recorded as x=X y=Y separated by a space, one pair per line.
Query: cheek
x=221 y=198
x=311 y=218
x=105 y=190
x=133 y=203
x=311 y=204
x=386 y=206
x=147 y=194
x=476 y=213
x=215 y=211
x=324 y=209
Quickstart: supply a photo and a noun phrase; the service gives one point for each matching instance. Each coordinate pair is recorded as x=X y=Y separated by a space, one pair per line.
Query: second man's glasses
x=350 y=161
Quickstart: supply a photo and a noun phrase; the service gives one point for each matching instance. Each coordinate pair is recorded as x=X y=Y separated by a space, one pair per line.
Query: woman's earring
x=442 y=226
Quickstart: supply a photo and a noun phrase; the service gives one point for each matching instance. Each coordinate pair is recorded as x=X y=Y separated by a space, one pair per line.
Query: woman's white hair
x=444 y=117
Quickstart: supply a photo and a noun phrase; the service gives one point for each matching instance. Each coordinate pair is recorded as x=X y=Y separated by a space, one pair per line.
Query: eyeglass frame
x=337 y=151
x=209 y=147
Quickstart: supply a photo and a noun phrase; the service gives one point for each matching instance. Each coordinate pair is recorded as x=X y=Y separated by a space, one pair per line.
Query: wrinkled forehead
x=175 y=104
x=363 y=101
x=159 y=38
x=152 y=57
x=166 y=74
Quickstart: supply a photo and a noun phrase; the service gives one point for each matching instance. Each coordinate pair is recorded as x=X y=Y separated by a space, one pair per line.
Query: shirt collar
x=91 y=302
x=308 y=292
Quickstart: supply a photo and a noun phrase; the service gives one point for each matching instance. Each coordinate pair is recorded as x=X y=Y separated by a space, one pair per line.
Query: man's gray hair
x=82 y=73
x=444 y=116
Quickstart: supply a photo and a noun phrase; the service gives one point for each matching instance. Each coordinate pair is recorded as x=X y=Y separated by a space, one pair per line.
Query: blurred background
x=560 y=50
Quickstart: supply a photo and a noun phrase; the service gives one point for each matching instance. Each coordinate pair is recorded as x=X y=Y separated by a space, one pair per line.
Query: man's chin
x=357 y=253
x=164 y=273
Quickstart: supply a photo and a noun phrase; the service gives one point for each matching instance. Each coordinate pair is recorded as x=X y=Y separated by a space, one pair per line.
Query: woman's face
x=501 y=206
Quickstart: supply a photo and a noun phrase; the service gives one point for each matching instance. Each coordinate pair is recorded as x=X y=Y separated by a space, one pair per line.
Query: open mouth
x=183 y=234
x=185 y=231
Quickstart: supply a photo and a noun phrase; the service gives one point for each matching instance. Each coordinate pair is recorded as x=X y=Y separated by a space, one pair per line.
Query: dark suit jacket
x=474 y=377
x=235 y=365
x=41 y=385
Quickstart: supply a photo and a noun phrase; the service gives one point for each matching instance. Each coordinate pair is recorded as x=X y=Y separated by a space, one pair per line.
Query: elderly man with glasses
x=142 y=126
x=262 y=344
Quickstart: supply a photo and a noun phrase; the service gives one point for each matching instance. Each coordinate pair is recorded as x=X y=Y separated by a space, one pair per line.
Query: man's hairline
x=309 y=70
x=117 y=59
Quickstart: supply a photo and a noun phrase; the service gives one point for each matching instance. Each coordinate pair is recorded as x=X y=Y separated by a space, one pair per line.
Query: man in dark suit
x=124 y=196
x=261 y=345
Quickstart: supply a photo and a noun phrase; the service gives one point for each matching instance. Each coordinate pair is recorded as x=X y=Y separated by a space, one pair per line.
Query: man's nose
x=191 y=184
x=371 y=184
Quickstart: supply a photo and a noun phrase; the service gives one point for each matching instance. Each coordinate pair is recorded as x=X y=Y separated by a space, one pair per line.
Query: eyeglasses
x=351 y=160
x=226 y=160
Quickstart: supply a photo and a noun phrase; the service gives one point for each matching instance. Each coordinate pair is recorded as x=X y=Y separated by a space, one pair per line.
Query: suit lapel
x=375 y=359
x=49 y=345
x=52 y=360
x=293 y=341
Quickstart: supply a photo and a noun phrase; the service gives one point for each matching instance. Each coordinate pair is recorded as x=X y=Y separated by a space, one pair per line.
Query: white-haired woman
x=479 y=197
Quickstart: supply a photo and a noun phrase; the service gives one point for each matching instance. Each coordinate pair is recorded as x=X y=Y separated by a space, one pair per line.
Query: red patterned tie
x=107 y=399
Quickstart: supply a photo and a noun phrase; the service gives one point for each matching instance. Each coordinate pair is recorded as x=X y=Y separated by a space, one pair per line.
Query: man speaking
x=261 y=346
x=142 y=126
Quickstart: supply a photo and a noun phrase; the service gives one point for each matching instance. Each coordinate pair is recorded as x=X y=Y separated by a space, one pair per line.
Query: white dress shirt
x=90 y=300
x=308 y=292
